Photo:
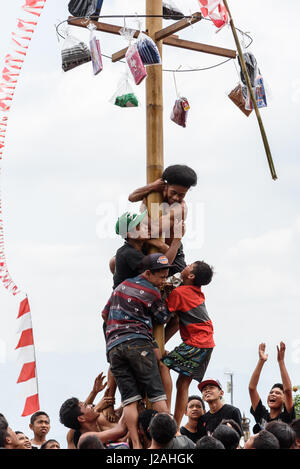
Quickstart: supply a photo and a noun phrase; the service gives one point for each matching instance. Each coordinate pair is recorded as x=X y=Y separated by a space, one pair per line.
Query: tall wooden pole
x=249 y=86
x=154 y=104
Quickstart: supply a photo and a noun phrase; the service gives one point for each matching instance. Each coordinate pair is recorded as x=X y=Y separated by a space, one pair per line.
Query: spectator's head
x=8 y=438
x=295 y=425
x=3 y=421
x=275 y=398
x=209 y=442
x=3 y=430
x=50 y=444
x=179 y=179
x=198 y=273
x=283 y=432
x=40 y=424
x=195 y=407
x=75 y=414
x=232 y=423
x=227 y=435
x=144 y=420
x=162 y=429
x=211 y=390
x=24 y=441
x=262 y=440
x=90 y=442
x=156 y=268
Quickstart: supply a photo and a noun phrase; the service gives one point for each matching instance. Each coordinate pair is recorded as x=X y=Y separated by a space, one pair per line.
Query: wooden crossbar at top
x=166 y=35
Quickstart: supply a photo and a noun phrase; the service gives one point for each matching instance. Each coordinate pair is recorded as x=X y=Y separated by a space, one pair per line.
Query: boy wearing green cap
x=133 y=228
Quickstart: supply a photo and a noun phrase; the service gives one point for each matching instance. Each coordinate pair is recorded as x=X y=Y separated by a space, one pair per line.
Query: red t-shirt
x=195 y=326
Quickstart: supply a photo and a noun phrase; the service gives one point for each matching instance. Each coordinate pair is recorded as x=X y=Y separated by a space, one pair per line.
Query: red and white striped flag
x=27 y=377
x=13 y=63
x=216 y=11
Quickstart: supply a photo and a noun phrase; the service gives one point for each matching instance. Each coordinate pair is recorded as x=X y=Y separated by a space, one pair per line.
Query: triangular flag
x=25 y=339
x=24 y=307
x=32 y=405
x=27 y=372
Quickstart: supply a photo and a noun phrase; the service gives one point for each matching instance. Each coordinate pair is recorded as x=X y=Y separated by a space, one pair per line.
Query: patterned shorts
x=188 y=360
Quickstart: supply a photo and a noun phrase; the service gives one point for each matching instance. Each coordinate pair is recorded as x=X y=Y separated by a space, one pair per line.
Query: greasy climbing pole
x=154 y=123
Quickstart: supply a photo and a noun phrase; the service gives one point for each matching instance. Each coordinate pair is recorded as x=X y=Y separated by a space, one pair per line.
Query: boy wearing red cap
x=212 y=393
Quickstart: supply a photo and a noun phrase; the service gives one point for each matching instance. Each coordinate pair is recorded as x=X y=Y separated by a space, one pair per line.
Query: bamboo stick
x=246 y=75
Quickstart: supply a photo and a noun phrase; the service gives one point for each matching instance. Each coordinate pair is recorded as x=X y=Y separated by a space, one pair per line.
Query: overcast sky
x=72 y=158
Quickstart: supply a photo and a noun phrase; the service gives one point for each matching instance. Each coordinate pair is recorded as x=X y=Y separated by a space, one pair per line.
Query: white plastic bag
x=124 y=96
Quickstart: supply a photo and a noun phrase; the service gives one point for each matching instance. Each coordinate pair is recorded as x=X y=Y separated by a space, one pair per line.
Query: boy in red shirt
x=190 y=359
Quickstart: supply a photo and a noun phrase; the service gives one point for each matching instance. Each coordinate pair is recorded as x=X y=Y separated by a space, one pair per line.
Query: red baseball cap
x=214 y=382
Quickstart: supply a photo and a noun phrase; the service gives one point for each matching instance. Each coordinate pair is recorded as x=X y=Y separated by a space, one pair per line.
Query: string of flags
x=13 y=63
x=216 y=11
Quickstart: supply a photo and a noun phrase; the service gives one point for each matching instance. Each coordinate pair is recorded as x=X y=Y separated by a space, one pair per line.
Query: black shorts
x=134 y=367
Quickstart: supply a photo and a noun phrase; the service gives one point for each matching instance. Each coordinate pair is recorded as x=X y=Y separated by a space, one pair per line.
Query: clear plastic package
x=135 y=64
x=239 y=95
x=95 y=50
x=148 y=50
x=180 y=111
x=125 y=96
x=74 y=53
x=171 y=11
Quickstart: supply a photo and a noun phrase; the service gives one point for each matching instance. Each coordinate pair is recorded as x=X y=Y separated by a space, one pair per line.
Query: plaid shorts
x=189 y=361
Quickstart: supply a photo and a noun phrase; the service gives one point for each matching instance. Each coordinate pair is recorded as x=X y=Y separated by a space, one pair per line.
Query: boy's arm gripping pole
x=245 y=72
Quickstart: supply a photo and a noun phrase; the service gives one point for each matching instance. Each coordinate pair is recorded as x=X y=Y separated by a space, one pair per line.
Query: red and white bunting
x=13 y=63
x=216 y=11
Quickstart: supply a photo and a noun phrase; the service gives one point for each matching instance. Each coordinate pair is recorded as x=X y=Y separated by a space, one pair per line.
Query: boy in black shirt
x=280 y=398
x=212 y=394
x=194 y=409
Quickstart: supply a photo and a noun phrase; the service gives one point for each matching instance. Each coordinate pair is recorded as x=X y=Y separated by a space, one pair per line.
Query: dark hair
x=144 y=420
x=234 y=425
x=227 y=435
x=162 y=428
x=3 y=422
x=295 y=425
x=3 y=435
x=283 y=432
x=36 y=415
x=69 y=413
x=203 y=273
x=209 y=442
x=180 y=175
x=90 y=442
x=277 y=385
x=3 y=430
x=265 y=440
x=44 y=445
x=196 y=398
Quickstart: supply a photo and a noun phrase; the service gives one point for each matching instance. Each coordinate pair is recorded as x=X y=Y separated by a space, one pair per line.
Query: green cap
x=128 y=221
